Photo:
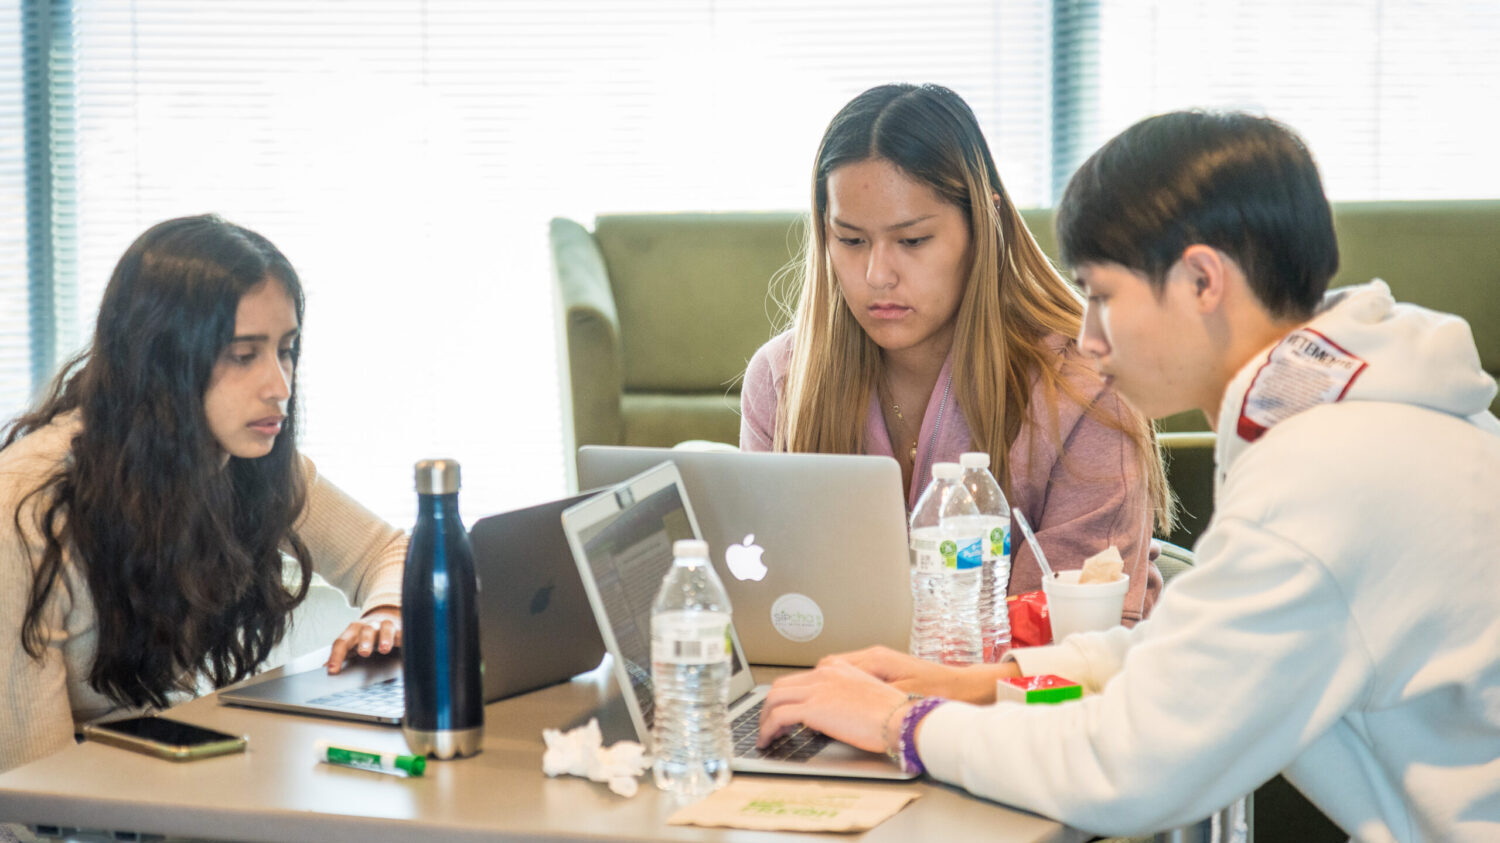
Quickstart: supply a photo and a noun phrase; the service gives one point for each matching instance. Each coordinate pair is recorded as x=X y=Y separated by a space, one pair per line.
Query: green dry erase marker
x=367 y=759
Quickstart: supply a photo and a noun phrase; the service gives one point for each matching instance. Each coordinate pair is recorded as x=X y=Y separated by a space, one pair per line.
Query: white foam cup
x=1080 y=608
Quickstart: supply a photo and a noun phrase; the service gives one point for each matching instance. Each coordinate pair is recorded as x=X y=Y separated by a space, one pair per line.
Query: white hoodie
x=1342 y=623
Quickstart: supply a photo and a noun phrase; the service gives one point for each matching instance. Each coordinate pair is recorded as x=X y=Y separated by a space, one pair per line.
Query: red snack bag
x=1029 y=623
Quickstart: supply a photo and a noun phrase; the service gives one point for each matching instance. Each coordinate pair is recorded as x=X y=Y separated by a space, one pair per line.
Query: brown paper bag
x=795 y=806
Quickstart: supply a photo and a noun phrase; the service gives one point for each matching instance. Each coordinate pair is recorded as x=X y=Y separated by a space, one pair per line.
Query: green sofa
x=658 y=314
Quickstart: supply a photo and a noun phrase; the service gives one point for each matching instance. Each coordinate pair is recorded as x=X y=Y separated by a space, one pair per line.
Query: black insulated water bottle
x=440 y=623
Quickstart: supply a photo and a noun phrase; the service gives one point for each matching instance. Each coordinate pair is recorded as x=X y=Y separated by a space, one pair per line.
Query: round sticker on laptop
x=797 y=617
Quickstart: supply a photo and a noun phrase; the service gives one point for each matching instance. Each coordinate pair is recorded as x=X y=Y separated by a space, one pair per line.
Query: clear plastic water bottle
x=928 y=599
x=994 y=525
x=690 y=668
x=946 y=568
x=440 y=656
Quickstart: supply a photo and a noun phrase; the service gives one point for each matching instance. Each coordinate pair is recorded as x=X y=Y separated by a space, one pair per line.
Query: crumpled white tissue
x=581 y=752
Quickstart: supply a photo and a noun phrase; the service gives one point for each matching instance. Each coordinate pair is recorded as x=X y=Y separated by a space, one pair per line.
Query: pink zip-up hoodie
x=1080 y=498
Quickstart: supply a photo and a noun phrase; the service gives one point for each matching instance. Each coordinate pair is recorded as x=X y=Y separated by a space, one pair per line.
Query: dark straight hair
x=181 y=552
x=1244 y=185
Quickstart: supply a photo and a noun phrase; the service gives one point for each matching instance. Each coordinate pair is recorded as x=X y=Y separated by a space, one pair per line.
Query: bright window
x=1394 y=97
x=15 y=308
x=406 y=154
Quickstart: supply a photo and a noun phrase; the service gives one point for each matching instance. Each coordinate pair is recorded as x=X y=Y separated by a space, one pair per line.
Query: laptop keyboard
x=798 y=745
x=383 y=699
x=388 y=699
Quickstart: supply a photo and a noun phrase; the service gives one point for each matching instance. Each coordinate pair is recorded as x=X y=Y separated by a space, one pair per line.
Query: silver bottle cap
x=437 y=477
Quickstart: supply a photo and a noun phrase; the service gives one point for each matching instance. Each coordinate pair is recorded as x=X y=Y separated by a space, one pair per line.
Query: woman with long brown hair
x=147 y=504
x=929 y=323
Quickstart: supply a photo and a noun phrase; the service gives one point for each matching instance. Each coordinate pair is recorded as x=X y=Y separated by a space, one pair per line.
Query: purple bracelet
x=909 y=760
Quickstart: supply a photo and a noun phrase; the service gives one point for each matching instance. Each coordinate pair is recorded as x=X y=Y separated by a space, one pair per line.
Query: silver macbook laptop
x=811 y=547
x=535 y=628
x=622 y=542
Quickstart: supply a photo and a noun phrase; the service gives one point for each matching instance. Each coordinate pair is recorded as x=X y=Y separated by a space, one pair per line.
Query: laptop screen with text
x=629 y=555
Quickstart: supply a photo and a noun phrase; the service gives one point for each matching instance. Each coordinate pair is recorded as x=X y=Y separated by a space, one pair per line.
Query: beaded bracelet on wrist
x=910 y=762
x=893 y=748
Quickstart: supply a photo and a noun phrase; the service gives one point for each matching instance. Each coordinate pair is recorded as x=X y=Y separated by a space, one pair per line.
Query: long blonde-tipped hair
x=1013 y=297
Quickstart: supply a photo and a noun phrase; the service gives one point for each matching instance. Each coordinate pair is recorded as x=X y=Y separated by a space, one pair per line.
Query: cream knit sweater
x=42 y=701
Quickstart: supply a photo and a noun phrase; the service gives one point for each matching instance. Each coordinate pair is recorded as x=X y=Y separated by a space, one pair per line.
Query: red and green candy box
x=1045 y=688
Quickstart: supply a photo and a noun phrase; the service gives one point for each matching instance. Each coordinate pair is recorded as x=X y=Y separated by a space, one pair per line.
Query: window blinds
x=1395 y=97
x=406 y=156
x=15 y=308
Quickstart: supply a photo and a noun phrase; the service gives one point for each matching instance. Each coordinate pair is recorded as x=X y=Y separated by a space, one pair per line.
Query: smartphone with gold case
x=164 y=738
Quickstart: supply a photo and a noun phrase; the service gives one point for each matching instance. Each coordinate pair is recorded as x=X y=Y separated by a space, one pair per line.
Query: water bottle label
x=963 y=555
x=925 y=557
x=703 y=639
x=999 y=544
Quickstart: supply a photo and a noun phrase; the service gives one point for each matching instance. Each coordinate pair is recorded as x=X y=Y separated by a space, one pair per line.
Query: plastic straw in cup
x=1036 y=547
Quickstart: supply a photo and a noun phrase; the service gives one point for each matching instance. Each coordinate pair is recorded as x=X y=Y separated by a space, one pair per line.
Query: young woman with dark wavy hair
x=151 y=503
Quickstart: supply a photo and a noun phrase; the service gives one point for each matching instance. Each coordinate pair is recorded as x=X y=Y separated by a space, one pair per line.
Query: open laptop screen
x=812 y=548
x=622 y=542
x=629 y=553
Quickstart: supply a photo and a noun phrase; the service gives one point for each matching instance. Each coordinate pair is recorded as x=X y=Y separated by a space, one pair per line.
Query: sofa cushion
x=662 y=420
x=692 y=293
x=1442 y=255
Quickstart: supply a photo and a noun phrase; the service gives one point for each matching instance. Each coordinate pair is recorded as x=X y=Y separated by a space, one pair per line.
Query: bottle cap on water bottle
x=974 y=459
x=946 y=471
x=690 y=549
x=437 y=477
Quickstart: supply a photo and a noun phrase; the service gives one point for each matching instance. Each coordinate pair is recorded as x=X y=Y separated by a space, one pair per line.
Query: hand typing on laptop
x=971 y=683
x=861 y=697
x=836 y=698
x=379 y=630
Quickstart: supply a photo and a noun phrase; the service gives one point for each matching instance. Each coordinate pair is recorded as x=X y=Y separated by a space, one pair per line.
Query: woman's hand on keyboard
x=974 y=683
x=379 y=630
x=836 y=698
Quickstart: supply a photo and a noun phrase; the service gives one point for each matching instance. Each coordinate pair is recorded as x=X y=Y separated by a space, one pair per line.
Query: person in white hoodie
x=1342 y=624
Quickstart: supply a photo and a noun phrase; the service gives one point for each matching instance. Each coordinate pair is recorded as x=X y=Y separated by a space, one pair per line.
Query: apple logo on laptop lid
x=743 y=560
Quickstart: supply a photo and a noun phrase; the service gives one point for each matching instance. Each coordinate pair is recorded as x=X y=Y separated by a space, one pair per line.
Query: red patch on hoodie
x=1304 y=370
